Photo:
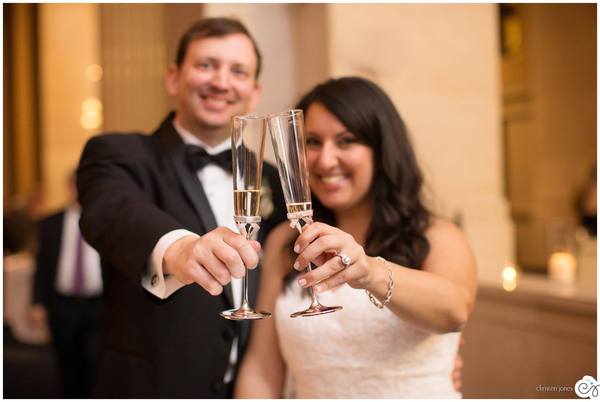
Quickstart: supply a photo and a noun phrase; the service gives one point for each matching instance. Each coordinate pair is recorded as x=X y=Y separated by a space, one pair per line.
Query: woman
x=366 y=189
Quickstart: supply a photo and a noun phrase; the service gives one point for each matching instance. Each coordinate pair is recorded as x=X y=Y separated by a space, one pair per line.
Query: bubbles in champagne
x=246 y=202
x=298 y=206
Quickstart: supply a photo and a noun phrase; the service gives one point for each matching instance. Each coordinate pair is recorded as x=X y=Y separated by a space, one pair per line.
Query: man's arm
x=118 y=217
x=121 y=221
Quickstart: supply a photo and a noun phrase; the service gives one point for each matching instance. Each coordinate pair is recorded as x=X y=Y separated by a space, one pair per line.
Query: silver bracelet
x=388 y=295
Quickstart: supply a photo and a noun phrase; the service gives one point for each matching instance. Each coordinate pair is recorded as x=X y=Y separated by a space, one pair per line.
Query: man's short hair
x=215 y=28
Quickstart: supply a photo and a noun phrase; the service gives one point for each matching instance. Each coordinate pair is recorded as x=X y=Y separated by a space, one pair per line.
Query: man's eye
x=240 y=73
x=204 y=65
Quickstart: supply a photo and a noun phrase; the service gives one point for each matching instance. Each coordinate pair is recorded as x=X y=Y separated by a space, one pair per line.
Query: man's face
x=215 y=81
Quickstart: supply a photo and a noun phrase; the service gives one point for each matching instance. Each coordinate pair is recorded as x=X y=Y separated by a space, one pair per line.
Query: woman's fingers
x=322 y=244
x=310 y=233
x=331 y=268
x=346 y=275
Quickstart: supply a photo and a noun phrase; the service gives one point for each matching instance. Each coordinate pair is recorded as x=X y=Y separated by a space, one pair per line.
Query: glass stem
x=245 y=305
x=315 y=301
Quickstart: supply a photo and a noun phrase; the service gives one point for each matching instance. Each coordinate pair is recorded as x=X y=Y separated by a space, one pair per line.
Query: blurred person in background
x=159 y=210
x=586 y=204
x=400 y=340
x=67 y=290
x=20 y=222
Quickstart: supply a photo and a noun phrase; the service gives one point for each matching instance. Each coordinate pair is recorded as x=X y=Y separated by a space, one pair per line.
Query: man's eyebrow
x=240 y=64
x=207 y=58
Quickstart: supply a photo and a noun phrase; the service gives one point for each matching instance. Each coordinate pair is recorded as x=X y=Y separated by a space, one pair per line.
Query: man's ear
x=255 y=97
x=171 y=79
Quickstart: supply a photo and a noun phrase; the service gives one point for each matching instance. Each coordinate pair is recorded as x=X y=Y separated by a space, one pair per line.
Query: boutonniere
x=266 y=199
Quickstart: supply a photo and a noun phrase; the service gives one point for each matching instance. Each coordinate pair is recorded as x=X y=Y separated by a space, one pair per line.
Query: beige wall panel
x=312 y=44
x=69 y=42
x=178 y=18
x=440 y=65
x=134 y=60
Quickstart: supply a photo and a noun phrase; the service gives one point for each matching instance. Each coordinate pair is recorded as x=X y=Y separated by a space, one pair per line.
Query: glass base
x=317 y=309
x=239 y=314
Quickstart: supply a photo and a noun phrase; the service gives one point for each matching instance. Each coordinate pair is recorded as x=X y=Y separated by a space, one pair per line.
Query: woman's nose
x=328 y=156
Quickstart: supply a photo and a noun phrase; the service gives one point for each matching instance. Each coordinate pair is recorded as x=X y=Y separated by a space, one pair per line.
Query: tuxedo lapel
x=194 y=192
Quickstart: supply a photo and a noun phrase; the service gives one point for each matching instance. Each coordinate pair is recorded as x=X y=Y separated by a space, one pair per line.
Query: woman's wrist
x=376 y=280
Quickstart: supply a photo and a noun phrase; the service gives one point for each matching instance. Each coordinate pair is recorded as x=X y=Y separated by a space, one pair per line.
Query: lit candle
x=561 y=267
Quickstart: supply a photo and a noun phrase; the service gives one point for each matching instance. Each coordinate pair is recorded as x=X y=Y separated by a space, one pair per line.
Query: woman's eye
x=312 y=142
x=347 y=141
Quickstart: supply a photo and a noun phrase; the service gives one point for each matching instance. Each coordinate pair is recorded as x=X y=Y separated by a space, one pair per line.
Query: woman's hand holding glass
x=322 y=244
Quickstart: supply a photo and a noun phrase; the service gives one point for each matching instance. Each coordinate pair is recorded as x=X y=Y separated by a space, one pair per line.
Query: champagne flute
x=287 y=133
x=247 y=146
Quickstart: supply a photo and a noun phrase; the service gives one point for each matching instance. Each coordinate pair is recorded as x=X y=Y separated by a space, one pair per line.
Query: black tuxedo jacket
x=133 y=189
x=50 y=239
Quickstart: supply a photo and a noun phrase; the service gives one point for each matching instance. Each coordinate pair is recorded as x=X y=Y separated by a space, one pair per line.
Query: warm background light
x=94 y=72
x=562 y=267
x=509 y=278
x=509 y=273
x=91 y=114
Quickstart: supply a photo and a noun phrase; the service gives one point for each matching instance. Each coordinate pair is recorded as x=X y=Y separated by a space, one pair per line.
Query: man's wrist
x=173 y=251
x=153 y=279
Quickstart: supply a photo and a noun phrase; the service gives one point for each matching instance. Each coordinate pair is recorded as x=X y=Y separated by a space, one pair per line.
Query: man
x=161 y=221
x=67 y=293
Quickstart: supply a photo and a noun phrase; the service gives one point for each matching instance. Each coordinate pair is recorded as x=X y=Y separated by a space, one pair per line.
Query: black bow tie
x=197 y=158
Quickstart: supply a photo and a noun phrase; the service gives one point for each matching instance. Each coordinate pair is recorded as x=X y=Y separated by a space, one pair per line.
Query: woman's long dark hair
x=397 y=230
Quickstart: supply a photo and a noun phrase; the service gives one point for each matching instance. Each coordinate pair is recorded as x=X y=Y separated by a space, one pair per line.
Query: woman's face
x=340 y=167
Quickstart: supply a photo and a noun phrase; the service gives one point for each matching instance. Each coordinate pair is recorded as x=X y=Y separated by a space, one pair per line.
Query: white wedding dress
x=361 y=351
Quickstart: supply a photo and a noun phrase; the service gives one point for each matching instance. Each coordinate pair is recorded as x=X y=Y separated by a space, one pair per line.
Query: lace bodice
x=361 y=351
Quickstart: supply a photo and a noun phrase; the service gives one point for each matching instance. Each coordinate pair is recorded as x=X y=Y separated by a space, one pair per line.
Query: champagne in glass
x=247 y=146
x=287 y=134
x=246 y=202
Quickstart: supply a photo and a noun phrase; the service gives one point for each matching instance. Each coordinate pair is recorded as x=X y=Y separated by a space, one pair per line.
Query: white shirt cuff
x=154 y=281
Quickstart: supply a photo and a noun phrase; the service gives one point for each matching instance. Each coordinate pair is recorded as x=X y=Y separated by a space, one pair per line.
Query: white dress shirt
x=92 y=279
x=218 y=186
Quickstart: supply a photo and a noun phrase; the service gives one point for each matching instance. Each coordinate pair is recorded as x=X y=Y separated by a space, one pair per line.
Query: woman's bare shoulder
x=441 y=228
x=449 y=247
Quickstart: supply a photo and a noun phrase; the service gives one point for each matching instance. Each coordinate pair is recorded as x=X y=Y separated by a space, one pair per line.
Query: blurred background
x=500 y=101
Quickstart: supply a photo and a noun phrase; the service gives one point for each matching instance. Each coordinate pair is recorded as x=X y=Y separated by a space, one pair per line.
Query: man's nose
x=220 y=79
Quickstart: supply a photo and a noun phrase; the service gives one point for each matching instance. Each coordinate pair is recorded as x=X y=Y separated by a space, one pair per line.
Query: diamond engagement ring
x=345 y=259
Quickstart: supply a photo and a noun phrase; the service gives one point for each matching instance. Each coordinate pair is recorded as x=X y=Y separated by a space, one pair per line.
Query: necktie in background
x=79 y=268
x=197 y=158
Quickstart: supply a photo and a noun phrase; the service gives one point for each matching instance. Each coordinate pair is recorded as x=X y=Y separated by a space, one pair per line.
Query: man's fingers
x=245 y=250
x=201 y=276
x=216 y=257
x=255 y=245
x=217 y=269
